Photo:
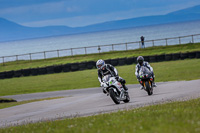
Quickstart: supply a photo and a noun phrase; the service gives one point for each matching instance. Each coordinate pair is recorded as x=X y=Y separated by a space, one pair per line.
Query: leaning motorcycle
x=146 y=79
x=115 y=90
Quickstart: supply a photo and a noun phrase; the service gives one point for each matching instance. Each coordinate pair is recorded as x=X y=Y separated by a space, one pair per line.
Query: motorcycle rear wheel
x=114 y=97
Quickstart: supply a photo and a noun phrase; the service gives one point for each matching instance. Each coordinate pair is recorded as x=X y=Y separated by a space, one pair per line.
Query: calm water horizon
x=99 y=38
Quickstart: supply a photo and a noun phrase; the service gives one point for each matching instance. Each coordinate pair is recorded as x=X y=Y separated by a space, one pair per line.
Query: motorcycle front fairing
x=111 y=82
x=115 y=89
x=145 y=75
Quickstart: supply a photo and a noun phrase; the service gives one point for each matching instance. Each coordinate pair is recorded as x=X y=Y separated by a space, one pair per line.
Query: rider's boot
x=141 y=87
x=125 y=88
x=104 y=91
x=154 y=84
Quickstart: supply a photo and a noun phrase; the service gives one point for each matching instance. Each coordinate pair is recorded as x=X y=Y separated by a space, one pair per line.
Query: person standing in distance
x=142 y=41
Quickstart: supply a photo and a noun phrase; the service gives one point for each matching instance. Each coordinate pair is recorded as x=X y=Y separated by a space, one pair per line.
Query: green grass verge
x=94 y=57
x=164 y=71
x=175 y=117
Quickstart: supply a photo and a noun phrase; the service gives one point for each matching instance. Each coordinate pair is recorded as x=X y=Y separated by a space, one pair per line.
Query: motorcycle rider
x=141 y=62
x=105 y=69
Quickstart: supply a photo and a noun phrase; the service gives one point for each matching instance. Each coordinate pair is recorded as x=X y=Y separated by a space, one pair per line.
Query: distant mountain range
x=12 y=31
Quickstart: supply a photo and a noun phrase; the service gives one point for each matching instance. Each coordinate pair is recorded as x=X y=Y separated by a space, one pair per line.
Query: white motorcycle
x=115 y=89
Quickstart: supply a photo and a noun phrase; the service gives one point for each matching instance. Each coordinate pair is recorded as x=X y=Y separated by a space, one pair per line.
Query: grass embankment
x=17 y=65
x=176 y=117
x=165 y=71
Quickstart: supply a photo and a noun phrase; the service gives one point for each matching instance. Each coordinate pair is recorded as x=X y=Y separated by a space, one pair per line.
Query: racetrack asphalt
x=91 y=101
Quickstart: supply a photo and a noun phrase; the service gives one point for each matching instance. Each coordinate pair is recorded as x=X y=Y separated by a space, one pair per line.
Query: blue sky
x=77 y=13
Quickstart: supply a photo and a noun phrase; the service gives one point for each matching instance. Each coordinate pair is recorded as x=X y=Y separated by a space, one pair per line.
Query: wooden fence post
x=85 y=50
x=71 y=52
x=58 y=53
x=44 y=55
x=192 y=39
x=153 y=42
x=30 y=56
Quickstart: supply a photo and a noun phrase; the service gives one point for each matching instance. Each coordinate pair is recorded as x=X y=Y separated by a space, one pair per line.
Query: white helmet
x=100 y=64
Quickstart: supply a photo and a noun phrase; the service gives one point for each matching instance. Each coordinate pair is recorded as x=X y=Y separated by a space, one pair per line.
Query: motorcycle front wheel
x=114 y=96
x=148 y=88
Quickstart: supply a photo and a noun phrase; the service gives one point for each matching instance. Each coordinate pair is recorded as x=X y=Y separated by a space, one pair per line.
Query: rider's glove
x=102 y=84
x=117 y=77
x=138 y=76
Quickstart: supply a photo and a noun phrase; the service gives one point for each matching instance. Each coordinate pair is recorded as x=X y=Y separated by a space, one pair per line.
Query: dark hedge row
x=92 y=64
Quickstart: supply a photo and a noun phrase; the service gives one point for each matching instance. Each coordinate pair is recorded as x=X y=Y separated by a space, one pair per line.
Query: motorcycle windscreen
x=144 y=70
x=106 y=78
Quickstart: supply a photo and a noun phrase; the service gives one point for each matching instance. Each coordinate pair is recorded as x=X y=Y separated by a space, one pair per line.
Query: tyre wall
x=92 y=64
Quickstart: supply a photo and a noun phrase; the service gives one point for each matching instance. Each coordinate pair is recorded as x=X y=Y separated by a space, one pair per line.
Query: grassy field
x=94 y=57
x=175 y=117
x=165 y=71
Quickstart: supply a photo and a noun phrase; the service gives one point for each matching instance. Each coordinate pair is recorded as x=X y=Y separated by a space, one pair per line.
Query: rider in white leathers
x=105 y=69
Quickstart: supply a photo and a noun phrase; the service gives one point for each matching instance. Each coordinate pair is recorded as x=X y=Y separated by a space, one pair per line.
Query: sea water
x=102 y=38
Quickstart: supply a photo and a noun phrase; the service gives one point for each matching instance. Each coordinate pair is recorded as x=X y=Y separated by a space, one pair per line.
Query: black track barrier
x=198 y=54
x=7 y=100
x=26 y=72
x=114 y=62
x=50 y=69
x=82 y=66
x=146 y=58
x=176 y=56
x=18 y=73
x=58 y=68
x=66 y=68
x=42 y=70
x=2 y=75
x=130 y=60
x=9 y=74
x=34 y=71
x=192 y=55
x=184 y=56
x=74 y=67
x=152 y=58
x=91 y=64
x=107 y=61
x=122 y=61
x=160 y=58
x=168 y=57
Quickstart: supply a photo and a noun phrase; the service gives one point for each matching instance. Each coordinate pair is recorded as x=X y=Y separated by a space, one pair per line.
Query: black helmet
x=140 y=60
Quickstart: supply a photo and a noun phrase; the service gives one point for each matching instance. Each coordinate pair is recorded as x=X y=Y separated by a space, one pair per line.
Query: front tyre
x=114 y=96
x=148 y=88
